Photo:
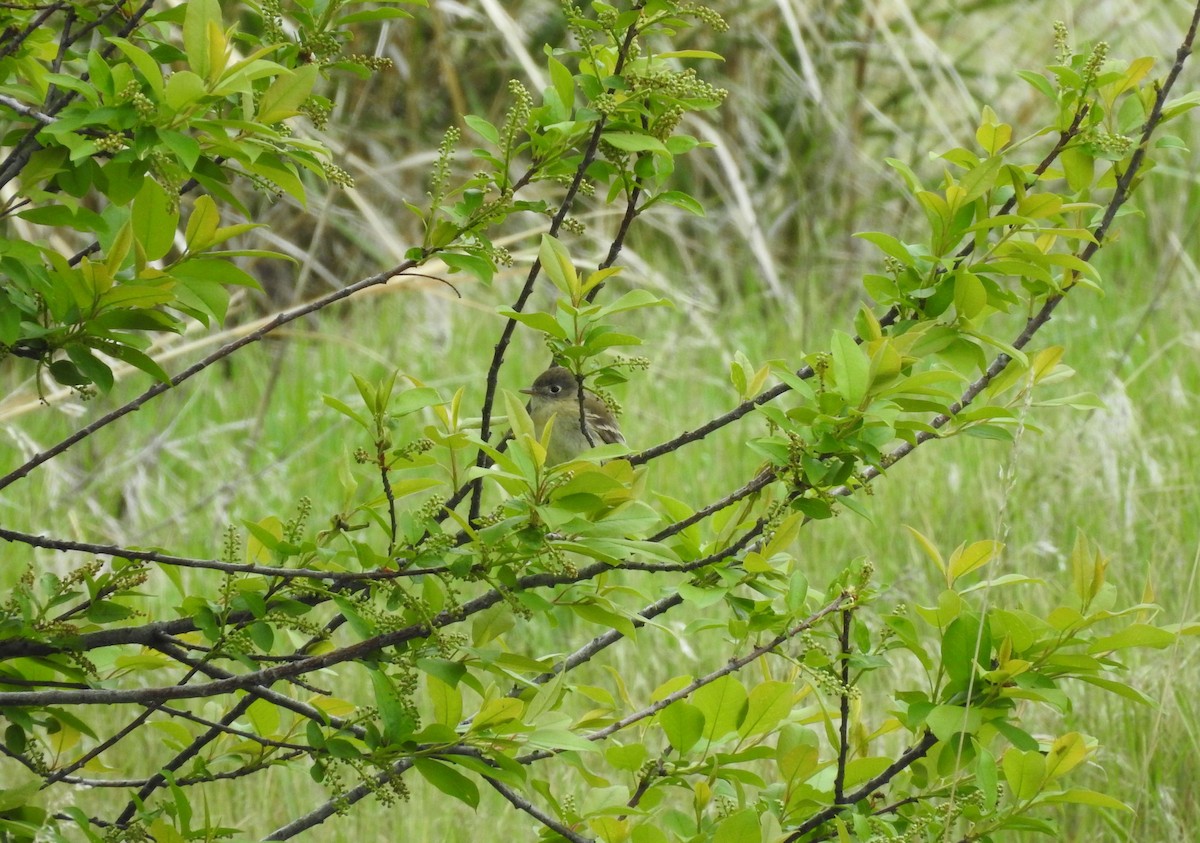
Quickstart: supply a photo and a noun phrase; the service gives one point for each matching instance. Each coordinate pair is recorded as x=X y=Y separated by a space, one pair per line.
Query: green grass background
x=820 y=93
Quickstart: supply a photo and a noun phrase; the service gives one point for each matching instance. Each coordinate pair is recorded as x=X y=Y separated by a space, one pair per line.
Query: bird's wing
x=608 y=431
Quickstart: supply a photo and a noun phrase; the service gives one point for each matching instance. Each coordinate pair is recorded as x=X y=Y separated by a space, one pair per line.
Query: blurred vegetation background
x=820 y=94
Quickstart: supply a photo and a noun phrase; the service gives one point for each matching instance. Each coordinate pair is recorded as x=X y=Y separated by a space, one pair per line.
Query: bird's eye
x=556 y=389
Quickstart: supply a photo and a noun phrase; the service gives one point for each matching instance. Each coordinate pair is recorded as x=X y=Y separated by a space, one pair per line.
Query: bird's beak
x=527 y=390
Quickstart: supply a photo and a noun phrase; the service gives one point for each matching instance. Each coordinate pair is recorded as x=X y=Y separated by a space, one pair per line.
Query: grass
x=246 y=439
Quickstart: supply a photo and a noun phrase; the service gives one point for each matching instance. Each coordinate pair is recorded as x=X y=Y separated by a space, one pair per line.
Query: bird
x=555 y=394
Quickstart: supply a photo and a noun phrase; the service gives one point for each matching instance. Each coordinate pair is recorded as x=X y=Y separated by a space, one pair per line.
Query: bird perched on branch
x=555 y=394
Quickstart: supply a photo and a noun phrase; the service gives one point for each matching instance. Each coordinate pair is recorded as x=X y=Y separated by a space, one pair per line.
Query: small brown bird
x=555 y=393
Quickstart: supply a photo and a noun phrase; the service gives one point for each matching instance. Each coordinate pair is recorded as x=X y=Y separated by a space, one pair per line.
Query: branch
x=522 y=804
x=25 y=110
x=906 y=760
x=839 y=781
x=732 y=666
x=339 y=803
x=604 y=641
x=263 y=692
x=65 y=546
x=183 y=756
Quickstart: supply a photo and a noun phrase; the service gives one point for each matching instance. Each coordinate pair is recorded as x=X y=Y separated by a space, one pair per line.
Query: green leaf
x=372 y=15
x=13 y=797
x=497 y=712
x=537 y=320
x=183 y=88
x=361 y=626
x=482 y=127
x=1040 y=82
x=1082 y=796
x=398 y=722
x=106 y=611
x=563 y=82
x=690 y=54
x=216 y=271
x=266 y=533
x=967 y=559
x=683 y=724
x=280 y=173
x=560 y=739
x=476 y=265
x=204 y=297
x=155 y=218
x=95 y=370
x=930 y=549
x=556 y=261
x=864 y=769
x=186 y=149
x=980 y=179
x=1066 y=753
x=723 y=704
x=970 y=296
x=202 y=224
x=1079 y=168
x=143 y=62
x=598 y=614
x=197 y=16
x=959 y=643
x=448 y=780
x=130 y=355
x=412 y=400
x=446 y=701
x=632 y=142
x=1134 y=635
x=10 y=321
x=945 y=721
x=986 y=776
x=286 y=94
x=851 y=368
x=681 y=200
x=992 y=137
x=633 y=300
x=768 y=704
x=889 y=245
x=739 y=827
x=1121 y=689
x=1024 y=772
x=629 y=758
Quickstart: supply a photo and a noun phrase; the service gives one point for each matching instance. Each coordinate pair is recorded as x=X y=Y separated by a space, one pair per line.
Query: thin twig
x=522 y=804
x=66 y=546
x=906 y=760
x=183 y=756
x=839 y=781
x=732 y=666
x=25 y=110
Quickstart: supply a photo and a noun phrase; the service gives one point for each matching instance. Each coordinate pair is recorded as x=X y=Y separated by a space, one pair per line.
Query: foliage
x=115 y=114
x=395 y=639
